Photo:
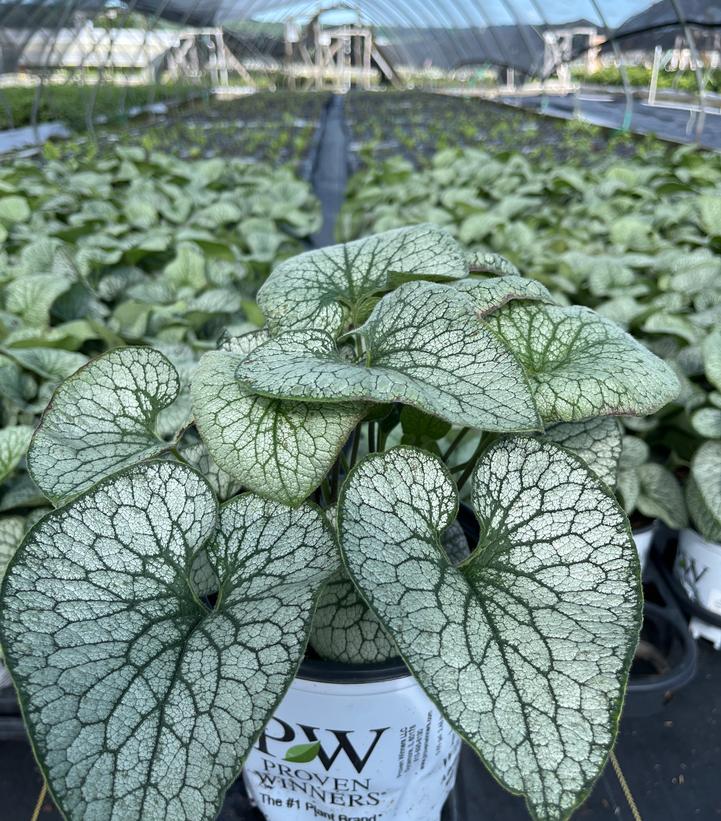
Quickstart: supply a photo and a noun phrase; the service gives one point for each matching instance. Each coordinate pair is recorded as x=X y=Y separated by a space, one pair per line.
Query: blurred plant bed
x=273 y=127
x=276 y=128
x=640 y=77
x=415 y=125
x=76 y=105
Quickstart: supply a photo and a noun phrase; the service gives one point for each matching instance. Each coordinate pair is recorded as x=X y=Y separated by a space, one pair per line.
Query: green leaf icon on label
x=302 y=753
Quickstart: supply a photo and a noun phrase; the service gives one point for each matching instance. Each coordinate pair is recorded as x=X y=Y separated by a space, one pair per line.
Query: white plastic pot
x=698 y=568
x=643 y=538
x=381 y=750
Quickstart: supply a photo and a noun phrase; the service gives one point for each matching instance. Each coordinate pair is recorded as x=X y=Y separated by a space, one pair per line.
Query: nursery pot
x=665 y=661
x=353 y=743
x=698 y=568
x=643 y=539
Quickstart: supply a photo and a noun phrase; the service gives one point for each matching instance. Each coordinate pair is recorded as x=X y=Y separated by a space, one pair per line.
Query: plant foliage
x=636 y=240
x=152 y=632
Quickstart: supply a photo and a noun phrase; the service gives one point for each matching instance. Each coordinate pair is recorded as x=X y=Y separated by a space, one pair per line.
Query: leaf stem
x=354 y=448
x=358 y=342
x=335 y=480
x=344 y=463
x=460 y=436
x=471 y=463
x=178 y=456
x=382 y=437
x=371 y=437
x=325 y=489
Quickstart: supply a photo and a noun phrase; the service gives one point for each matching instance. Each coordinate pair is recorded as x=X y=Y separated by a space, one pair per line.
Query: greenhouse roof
x=448 y=34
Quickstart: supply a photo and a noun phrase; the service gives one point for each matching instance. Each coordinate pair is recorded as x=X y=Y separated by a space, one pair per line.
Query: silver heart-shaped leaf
x=141 y=699
x=277 y=448
x=581 y=364
x=102 y=419
x=526 y=645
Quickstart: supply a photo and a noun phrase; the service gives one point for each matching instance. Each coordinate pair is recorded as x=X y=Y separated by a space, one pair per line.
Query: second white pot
x=698 y=568
x=361 y=751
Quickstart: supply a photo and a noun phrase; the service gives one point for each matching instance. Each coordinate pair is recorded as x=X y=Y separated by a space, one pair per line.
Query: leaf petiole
x=483 y=443
x=460 y=436
x=371 y=437
x=326 y=491
x=354 y=447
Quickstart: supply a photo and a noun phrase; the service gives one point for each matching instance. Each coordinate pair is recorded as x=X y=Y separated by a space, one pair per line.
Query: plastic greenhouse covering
x=448 y=34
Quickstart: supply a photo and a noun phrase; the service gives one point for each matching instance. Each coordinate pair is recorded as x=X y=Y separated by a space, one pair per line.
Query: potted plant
x=154 y=623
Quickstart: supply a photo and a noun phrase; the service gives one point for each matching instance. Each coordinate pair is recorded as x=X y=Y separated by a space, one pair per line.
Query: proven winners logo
x=285 y=748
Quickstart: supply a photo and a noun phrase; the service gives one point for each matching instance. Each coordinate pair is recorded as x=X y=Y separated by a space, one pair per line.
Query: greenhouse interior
x=360 y=410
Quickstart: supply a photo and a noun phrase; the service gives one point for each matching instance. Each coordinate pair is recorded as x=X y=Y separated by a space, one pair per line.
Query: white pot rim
x=337 y=672
x=637 y=531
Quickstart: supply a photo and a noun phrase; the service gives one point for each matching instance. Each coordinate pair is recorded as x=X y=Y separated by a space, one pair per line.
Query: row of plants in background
x=416 y=125
x=274 y=127
x=79 y=105
x=640 y=77
x=268 y=128
x=287 y=141
x=637 y=241
x=136 y=248
x=163 y=614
